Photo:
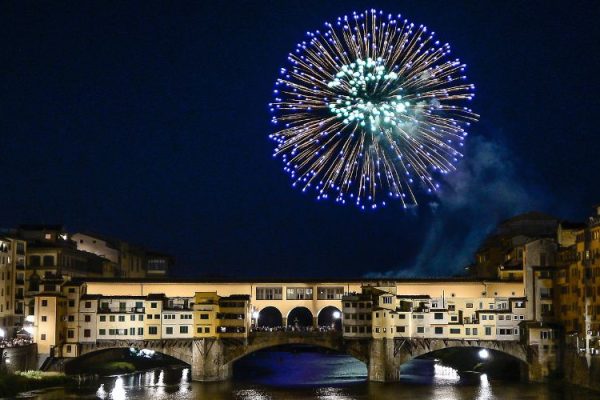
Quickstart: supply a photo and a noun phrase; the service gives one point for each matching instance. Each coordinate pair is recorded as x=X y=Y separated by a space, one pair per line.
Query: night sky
x=148 y=122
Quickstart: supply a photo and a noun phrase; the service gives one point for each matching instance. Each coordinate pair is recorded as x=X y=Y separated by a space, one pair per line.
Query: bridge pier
x=384 y=361
x=208 y=361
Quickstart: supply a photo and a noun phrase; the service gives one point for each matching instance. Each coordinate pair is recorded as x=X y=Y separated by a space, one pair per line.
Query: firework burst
x=371 y=108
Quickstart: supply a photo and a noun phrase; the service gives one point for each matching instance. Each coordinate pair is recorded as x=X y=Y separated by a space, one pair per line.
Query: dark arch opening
x=300 y=317
x=330 y=317
x=269 y=317
x=119 y=360
x=296 y=364
x=470 y=362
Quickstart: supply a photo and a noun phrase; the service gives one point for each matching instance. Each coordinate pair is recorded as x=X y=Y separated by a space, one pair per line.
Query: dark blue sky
x=148 y=122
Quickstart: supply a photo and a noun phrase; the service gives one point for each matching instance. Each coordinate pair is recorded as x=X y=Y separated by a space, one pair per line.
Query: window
x=483 y=317
x=475 y=331
x=330 y=293
x=71 y=318
x=132 y=317
x=44 y=303
x=88 y=304
x=206 y=329
x=70 y=334
x=438 y=315
x=420 y=329
x=141 y=317
x=488 y=330
x=467 y=331
x=48 y=261
x=87 y=318
x=491 y=318
x=400 y=329
x=102 y=318
x=71 y=290
x=438 y=330
x=43 y=336
x=152 y=330
x=131 y=331
x=101 y=332
x=519 y=304
x=121 y=318
x=401 y=316
x=34 y=261
x=268 y=293
x=387 y=300
x=156 y=316
x=149 y=316
x=183 y=329
x=203 y=316
x=44 y=318
x=153 y=305
x=377 y=330
x=87 y=333
x=169 y=330
x=111 y=318
x=140 y=331
x=454 y=331
x=299 y=294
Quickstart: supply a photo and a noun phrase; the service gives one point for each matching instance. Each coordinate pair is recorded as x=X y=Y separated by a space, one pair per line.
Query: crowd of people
x=15 y=342
x=294 y=328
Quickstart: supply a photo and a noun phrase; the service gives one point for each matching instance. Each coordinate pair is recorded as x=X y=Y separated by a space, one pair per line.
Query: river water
x=284 y=375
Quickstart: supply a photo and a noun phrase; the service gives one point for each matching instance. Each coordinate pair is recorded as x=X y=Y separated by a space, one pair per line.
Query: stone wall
x=581 y=370
x=21 y=358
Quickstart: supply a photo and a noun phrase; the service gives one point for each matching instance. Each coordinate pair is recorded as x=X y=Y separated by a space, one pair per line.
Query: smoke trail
x=485 y=190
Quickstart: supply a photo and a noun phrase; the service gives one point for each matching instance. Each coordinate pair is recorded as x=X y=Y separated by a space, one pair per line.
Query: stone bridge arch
x=301 y=316
x=330 y=316
x=387 y=355
x=180 y=349
x=269 y=316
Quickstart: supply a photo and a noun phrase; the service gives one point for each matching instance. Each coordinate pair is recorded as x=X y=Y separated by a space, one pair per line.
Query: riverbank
x=14 y=383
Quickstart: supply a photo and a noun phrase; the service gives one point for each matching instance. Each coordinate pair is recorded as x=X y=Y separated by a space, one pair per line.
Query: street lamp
x=337 y=315
x=484 y=354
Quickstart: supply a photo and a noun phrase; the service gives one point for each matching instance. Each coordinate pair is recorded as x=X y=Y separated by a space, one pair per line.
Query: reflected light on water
x=252 y=394
x=101 y=393
x=118 y=391
x=185 y=380
x=331 y=393
x=445 y=373
x=149 y=378
x=485 y=390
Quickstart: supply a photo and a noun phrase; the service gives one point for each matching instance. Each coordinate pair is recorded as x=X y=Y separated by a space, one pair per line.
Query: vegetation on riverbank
x=113 y=368
x=11 y=384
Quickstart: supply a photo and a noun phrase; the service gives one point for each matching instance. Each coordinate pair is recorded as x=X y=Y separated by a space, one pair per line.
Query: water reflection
x=118 y=391
x=314 y=376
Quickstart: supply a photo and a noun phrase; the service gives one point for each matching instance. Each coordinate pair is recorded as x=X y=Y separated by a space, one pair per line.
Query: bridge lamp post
x=336 y=316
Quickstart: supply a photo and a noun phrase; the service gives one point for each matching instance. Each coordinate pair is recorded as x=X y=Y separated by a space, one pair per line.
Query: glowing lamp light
x=255 y=315
x=337 y=315
x=2 y=333
x=30 y=318
x=484 y=354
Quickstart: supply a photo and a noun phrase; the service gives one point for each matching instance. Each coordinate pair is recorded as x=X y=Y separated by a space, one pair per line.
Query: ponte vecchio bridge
x=383 y=324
